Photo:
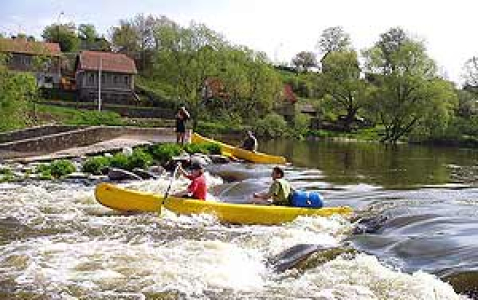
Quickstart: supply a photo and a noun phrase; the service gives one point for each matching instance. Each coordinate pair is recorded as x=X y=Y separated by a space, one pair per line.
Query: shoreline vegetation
x=147 y=161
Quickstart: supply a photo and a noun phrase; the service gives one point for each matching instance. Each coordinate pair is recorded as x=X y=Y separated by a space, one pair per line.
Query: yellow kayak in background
x=135 y=201
x=256 y=157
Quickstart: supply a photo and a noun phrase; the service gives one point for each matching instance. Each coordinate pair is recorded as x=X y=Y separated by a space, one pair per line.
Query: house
x=40 y=58
x=286 y=103
x=117 y=77
x=213 y=88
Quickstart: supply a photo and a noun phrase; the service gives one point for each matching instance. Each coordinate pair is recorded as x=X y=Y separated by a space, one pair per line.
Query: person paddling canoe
x=250 y=142
x=198 y=188
x=280 y=192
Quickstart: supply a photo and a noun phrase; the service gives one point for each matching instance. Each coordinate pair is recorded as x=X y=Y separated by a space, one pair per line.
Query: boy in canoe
x=280 y=192
x=250 y=142
x=197 y=189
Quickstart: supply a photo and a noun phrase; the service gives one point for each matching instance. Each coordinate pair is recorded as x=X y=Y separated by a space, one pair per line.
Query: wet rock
x=306 y=256
x=201 y=159
x=370 y=225
x=120 y=174
x=77 y=176
x=219 y=159
x=145 y=174
x=158 y=170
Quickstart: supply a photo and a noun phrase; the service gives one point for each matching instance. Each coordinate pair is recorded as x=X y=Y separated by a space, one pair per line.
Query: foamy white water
x=59 y=242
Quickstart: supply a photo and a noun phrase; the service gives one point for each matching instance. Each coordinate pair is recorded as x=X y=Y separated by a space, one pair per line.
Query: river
x=417 y=238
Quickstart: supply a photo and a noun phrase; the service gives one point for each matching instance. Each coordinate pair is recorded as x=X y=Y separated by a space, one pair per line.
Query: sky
x=281 y=28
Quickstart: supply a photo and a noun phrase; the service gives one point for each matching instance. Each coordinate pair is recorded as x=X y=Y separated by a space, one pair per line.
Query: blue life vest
x=307 y=199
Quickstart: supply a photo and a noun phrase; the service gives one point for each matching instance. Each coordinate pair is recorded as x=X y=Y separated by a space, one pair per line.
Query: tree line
x=394 y=84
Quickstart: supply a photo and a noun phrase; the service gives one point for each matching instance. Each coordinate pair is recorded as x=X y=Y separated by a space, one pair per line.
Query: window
x=91 y=79
x=115 y=79
x=27 y=60
x=126 y=80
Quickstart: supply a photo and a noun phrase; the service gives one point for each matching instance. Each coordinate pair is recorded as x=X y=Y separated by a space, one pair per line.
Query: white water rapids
x=57 y=242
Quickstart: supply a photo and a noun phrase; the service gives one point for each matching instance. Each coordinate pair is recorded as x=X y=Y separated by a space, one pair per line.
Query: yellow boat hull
x=256 y=157
x=129 y=200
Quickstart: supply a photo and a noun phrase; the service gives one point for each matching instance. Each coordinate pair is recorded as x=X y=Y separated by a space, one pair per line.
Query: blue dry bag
x=307 y=199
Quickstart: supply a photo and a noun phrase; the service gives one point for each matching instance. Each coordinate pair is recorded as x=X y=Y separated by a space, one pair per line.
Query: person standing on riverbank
x=181 y=117
x=280 y=192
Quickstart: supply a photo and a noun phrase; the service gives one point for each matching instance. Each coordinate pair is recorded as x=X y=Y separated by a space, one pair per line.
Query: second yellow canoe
x=256 y=157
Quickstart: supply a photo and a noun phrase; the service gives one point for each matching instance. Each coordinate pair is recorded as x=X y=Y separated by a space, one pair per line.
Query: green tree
x=136 y=37
x=251 y=83
x=87 y=32
x=64 y=34
x=304 y=60
x=408 y=92
x=333 y=39
x=185 y=58
x=17 y=90
x=340 y=82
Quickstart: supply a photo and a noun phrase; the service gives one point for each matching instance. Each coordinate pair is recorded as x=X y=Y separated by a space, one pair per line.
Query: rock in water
x=120 y=174
x=145 y=174
x=291 y=257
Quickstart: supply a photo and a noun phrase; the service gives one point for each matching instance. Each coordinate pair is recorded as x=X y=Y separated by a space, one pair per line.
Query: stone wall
x=39 y=145
x=33 y=132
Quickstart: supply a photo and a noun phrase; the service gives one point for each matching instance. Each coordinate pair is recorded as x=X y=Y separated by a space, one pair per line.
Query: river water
x=414 y=235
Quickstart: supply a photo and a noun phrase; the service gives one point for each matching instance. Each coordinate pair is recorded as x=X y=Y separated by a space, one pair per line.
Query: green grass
x=73 y=116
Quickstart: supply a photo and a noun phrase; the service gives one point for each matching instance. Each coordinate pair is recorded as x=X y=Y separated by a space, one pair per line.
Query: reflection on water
x=400 y=166
x=57 y=242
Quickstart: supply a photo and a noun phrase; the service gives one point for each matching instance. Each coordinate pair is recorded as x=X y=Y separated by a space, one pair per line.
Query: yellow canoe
x=256 y=157
x=134 y=201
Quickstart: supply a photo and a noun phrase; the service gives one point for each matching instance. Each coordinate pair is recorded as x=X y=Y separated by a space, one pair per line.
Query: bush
x=273 y=125
x=56 y=169
x=139 y=159
x=60 y=168
x=164 y=152
x=213 y=148
x=205 y=148
x=301 y=124
x=121 y=161
x=96 y=165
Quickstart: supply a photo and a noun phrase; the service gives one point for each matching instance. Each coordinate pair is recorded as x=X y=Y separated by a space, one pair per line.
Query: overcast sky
x=281 y=28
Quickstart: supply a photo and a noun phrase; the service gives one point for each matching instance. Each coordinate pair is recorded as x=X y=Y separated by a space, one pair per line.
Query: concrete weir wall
x=33 y=132
x=39 y=141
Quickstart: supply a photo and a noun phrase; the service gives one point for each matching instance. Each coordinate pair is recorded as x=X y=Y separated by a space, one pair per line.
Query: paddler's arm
x=261 y=198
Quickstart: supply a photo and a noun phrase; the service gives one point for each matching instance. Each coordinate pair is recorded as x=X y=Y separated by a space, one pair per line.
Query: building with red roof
x=117 y=77
x=40 y=58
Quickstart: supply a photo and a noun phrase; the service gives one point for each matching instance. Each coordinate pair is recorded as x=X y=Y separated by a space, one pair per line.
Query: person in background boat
x=280 y=192
x=197 y=189
x=181 y=117
x=250 y=142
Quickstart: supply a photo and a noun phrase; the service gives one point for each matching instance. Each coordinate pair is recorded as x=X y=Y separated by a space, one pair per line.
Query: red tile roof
x=20 y=45
x=110 y=62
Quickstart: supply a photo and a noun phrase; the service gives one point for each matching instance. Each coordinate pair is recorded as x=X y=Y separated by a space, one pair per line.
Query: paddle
x=170 y=185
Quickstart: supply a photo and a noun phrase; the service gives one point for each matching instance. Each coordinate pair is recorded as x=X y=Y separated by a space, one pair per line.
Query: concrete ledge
x=79 y=138
x=37 y=131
